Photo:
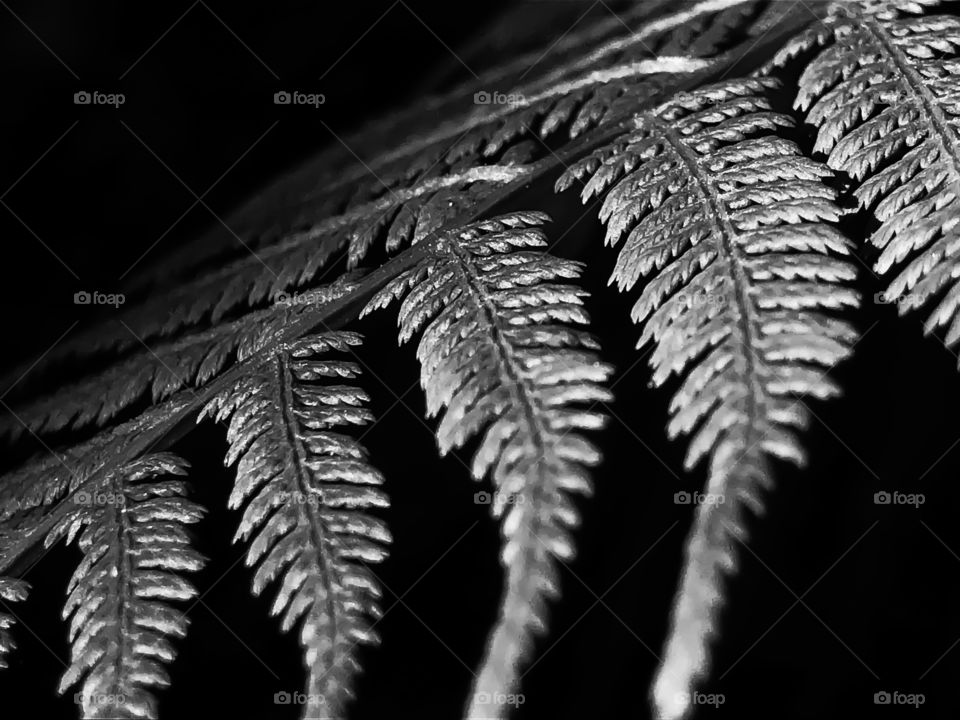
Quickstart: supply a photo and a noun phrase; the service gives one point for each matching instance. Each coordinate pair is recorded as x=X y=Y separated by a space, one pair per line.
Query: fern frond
x=306 y=491
x=405 y=208
x=135 y=547
x=192 y=360
x=729 y=219
x=48 y=477
x=886 y=98
x=11 y=590
x=832 y=20
x=416 y=168
x=503 y=354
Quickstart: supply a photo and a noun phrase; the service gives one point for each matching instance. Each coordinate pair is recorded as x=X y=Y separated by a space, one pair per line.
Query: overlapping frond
x=727 y=223
x=505 y=356
x=885 y=96
x=306 y=491
x=831 y=18
x=412 y=203
x=11 y=590
x=96 y=399
x=417 y=172
x=412 y=194
x=192 y=360
x=48 y=477
x=731 y=223
x=131 y=531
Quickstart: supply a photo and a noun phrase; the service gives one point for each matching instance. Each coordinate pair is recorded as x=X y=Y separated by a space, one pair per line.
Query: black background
x=880 y=605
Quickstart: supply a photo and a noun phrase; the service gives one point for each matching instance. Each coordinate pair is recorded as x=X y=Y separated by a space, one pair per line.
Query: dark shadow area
x=838 y=596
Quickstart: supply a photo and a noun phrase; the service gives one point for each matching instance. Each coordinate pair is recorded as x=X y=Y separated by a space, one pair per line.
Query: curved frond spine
x=131 y=531
x=826 y=27
x=11 y=590
x=299 y=224
x=504 y=356
x=886 y=99
x=48 y=477
x=306 y=491
x=193 y=360
x=729 y=222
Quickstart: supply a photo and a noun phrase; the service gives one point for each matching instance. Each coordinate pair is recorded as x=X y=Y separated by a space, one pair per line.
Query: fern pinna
x=884 y=95
x=10 y=591
x=305 y=490
x=725 y=214
x=131 y=531
x=734 y=221
x=503 y=356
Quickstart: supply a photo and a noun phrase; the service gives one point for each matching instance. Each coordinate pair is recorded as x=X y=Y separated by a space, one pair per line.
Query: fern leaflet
x=11 y=590
x=305 y=491
x=729 y=219
x=48 y=477
x=132 y=534
x=886 y=98
x=194 y=359
x=423 y=173
x=502 y=354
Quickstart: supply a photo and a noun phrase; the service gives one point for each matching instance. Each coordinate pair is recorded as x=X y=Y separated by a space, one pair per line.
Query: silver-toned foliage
x=131 y=531
x=885 y=96
x=11 y=590
x=306 y=491
x=192 y=360
x=503 y=354
x=833 y=19
x=47 y=478
x=730 y=221
x=723 y=223
x=418 y=171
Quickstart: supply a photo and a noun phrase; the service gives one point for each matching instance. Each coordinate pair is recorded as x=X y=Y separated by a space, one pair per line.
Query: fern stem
x=724 y=233
x=498 y=675
x=299 y=458
x=683 y=658
x=748 y=55
x=124 y=573
x=454 y=129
